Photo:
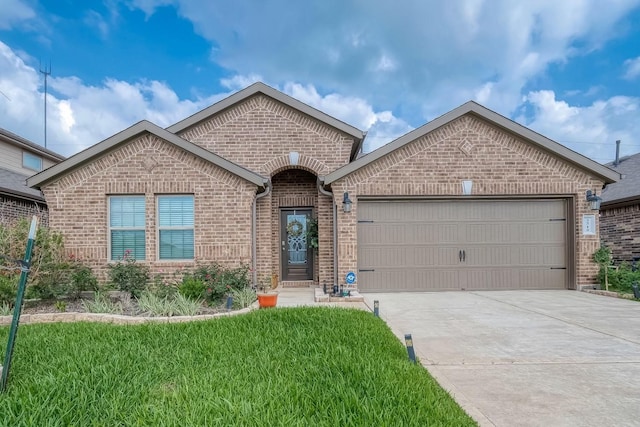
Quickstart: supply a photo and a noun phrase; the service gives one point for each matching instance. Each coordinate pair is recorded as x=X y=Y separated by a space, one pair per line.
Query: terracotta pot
x=267 y=300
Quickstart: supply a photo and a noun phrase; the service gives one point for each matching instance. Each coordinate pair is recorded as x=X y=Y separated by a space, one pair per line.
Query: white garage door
x=466 y=244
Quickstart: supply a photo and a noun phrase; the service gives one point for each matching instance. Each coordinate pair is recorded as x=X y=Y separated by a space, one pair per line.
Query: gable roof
x=260 y=87
x=23 y=143
x=627 y=189
x=134 y=131
x=14 y=184
x=542 y=142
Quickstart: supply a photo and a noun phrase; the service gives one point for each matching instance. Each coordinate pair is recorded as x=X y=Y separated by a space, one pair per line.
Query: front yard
x=284 y=366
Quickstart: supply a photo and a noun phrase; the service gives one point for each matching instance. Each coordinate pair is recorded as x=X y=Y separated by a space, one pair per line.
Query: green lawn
x=285 y=366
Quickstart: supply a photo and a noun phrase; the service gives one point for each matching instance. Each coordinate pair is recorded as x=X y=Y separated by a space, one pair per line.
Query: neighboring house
x=237 y=182
x=620 y=211
x=20 y=158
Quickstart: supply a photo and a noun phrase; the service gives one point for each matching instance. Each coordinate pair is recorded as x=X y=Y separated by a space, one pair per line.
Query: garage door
x=462 y=245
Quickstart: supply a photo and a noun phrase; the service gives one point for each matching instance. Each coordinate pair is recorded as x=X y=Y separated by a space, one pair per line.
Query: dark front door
x=297 y=256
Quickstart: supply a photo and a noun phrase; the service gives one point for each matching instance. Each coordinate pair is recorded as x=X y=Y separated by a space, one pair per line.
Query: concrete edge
x=117 y=319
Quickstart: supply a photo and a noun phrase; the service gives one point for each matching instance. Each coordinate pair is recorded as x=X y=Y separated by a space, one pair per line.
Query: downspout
x=335 y=231
x=254 y=226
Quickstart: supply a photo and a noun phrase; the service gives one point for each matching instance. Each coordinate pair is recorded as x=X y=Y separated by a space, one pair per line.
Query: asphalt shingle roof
x=16 y=184
x=629 y=186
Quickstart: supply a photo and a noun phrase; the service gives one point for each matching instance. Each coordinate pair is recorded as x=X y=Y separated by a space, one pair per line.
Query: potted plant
x=267 y=296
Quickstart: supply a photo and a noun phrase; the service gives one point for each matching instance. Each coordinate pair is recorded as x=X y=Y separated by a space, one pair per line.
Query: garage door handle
x=366 y=269
x=460 y=255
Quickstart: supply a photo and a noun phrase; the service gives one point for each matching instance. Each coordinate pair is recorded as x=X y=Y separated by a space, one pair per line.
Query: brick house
x=620 y=211
x=471 y=200
x=20 y=158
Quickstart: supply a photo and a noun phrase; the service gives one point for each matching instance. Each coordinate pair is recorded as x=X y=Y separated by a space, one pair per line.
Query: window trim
x=159 y=228
x=33 y=156
x=110 y=228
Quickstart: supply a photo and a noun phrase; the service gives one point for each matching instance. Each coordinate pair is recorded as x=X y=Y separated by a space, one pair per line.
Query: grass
x=277 y=367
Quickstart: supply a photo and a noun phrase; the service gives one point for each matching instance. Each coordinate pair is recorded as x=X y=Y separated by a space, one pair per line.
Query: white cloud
x=591 y=130
x=80 y=115
x=13 y=12
x=632 y=68
x=437 y=54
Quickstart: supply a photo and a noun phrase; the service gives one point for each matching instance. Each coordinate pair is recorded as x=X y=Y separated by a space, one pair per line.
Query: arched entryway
x=294 y=206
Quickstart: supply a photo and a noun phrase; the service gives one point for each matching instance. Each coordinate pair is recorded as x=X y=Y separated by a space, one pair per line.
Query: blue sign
x=351 y=277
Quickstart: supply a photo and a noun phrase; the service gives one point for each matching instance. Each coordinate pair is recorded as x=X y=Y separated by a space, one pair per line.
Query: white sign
x=588 y=225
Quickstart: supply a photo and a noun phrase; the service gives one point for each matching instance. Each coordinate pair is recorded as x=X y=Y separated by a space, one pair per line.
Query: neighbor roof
x=627 y=190
x=134 y=131
x=542 y=142
x=19 y=141
x=15 y=184
x=260 y=87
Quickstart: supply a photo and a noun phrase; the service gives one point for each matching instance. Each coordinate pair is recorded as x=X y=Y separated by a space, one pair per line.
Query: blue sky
x=568 y=69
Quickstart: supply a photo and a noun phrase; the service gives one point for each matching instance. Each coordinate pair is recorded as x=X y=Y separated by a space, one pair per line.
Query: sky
x=567 y=69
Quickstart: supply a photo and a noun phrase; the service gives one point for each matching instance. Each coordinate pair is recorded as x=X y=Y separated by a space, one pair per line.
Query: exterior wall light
x=346 y=203
x=594 y=200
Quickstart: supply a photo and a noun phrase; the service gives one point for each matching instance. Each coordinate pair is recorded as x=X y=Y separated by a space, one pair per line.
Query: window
x=31 y=161
x=126 y=227
x=175 y=227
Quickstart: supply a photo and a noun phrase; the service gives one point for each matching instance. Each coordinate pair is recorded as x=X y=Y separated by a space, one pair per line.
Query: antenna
x=47 y=72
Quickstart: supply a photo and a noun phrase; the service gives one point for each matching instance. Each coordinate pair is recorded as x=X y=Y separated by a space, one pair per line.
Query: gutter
x=335 y=231
x=254 y=250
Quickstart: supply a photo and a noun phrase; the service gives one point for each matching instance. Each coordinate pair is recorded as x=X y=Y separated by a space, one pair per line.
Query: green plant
x=161 y=288
x=178 y=305
x=217 y=373
x=102 y=304
x=623 y=277
x=82 y=279
x=6 y=309
x=129 y=276
x=8 y=289
x=192 y=288
x=220 y=281
x=312 y=232
x=61 y=306
x=243 y=298
x=602 y=257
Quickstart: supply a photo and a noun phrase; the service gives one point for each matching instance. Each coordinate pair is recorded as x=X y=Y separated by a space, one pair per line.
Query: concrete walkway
x=527 y=358
x=292 y=297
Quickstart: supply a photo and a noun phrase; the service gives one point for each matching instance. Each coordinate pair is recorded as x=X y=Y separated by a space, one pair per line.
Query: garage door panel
x=506 y=244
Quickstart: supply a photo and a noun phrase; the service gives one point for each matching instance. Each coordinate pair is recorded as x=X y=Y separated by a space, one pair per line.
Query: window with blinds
x=127 y=227
x=175 y=227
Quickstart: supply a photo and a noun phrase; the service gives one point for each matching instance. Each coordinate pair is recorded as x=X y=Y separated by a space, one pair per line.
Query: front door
x=297 y=256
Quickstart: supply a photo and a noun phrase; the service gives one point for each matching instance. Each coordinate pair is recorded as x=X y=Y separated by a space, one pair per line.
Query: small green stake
x=26 y=264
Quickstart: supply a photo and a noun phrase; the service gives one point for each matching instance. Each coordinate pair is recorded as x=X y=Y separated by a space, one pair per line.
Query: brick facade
x=13 y=209
x=620 y=231
x=499 y=164
x=149 y=166
x=259 y=133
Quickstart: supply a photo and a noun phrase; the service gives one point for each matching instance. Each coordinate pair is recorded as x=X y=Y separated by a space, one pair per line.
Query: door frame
x=282 y=233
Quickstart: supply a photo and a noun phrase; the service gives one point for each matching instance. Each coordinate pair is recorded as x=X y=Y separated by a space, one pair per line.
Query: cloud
x=81 y=115
x=591 y=130
x=632 y=68
x=13 y=12
x=431 y=55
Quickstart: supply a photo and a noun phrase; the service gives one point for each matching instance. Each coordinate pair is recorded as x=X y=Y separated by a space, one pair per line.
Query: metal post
x=409 y=342
x=229 y=302
x=376 y=308
x=26 y=264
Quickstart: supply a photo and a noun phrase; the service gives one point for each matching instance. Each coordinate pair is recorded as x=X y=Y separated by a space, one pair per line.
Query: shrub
x=8 y=289
x=102 y=304
x=172 y=306
x=243 y=298
x=82 y=279
x=6 y=309
x=129 y=276
x=192 y=288
x=622 y=278
x=160 y=288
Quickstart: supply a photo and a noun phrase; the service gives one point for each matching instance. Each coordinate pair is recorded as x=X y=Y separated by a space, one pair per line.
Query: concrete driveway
x=527 y=358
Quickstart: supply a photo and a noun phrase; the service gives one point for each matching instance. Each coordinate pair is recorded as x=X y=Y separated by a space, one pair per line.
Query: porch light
x=346 y=203
x=594 y=200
